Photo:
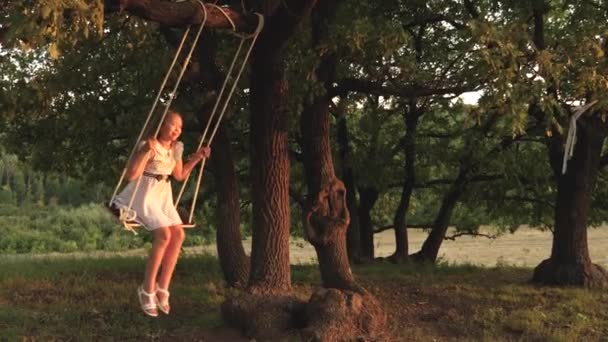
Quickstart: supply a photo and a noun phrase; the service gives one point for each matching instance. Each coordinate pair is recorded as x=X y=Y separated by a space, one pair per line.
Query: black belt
x=157 y=177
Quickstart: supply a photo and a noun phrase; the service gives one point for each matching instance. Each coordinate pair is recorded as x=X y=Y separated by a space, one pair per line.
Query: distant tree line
x=21 y=185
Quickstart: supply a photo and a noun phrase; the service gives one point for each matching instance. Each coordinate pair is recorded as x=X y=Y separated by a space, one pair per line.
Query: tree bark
x=270 y=270
x=570 y=263
x=353 y=233
x=367 y=199
x=181 y=14
x=233 y=260
x=326 y=215
x=432 y=244
x=268 y=310
x=400 y=219
x=342 y=310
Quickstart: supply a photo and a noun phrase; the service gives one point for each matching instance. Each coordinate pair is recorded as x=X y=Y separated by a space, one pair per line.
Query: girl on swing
x=155 y=161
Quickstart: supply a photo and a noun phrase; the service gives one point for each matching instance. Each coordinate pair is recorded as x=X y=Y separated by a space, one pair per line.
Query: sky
x=471 y=97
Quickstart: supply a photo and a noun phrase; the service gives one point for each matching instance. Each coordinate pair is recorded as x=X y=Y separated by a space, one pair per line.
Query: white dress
x=153 y=202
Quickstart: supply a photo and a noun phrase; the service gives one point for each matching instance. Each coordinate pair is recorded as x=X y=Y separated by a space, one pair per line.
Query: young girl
x=154 y=162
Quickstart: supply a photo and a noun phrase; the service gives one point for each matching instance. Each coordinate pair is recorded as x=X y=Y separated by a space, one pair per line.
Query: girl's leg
x=162 y=239
x=170 y=258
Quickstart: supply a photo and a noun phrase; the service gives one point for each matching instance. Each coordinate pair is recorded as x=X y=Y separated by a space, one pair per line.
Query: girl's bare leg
x=170 y=259
x=162 y=239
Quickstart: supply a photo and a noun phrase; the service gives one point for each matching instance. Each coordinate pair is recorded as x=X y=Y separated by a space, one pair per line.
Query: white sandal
x=149 y=306
x=163 y=305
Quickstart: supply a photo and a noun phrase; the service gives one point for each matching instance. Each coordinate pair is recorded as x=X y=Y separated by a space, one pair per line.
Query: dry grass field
x=526 y=247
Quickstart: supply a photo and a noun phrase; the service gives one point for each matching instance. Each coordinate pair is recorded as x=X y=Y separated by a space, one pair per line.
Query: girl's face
x=172 y=127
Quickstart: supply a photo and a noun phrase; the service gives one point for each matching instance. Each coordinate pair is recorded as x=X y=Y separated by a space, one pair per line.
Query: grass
x=484 y=304
x=93 y=299
x=88 y=299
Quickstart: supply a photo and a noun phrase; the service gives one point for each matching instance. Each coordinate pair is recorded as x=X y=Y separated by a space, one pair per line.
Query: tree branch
x=380 y=89
x=409 y=226
x=453 y=237
x=181 y=14
x=478 y=178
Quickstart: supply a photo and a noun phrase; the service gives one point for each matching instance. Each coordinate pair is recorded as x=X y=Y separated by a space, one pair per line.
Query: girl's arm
x=182 y=170
x=138 y=162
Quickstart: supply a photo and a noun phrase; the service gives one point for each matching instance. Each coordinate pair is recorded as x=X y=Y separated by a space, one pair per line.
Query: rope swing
x=126 y=215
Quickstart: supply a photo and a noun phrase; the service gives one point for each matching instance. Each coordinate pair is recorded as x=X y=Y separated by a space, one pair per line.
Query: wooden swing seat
x=131 y=225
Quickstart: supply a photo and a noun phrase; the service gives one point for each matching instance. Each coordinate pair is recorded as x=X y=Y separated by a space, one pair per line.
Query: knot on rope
x=127 y=214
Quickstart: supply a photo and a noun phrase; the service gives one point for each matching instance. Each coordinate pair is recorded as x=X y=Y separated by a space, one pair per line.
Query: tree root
x=330 y=315
x=587 y=275
x=343 y=315
x=264 y=317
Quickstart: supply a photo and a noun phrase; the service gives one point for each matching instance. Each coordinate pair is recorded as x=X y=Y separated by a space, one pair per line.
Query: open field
x=526 y=248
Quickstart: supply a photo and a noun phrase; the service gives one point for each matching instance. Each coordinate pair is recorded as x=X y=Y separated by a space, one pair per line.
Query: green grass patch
x=89 y=299
x=43 y=229
x=93 y=299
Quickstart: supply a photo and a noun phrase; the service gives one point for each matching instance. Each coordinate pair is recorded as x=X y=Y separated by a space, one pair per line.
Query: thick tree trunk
x=400 y=223
x=326 y=215
x=570 y=263
x=265 y=311
x=342 y=310
x=353 y=234
x=367 y=199
x=346 y=311
x=270 y=270
x=268 y=310
x=233 y=260
x=432 y=244
x=400 y=220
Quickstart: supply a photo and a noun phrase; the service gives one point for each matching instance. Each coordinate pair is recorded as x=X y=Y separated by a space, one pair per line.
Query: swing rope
x=149 y=117
x=222 y=111
x=225 y=15
x=127 y=214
